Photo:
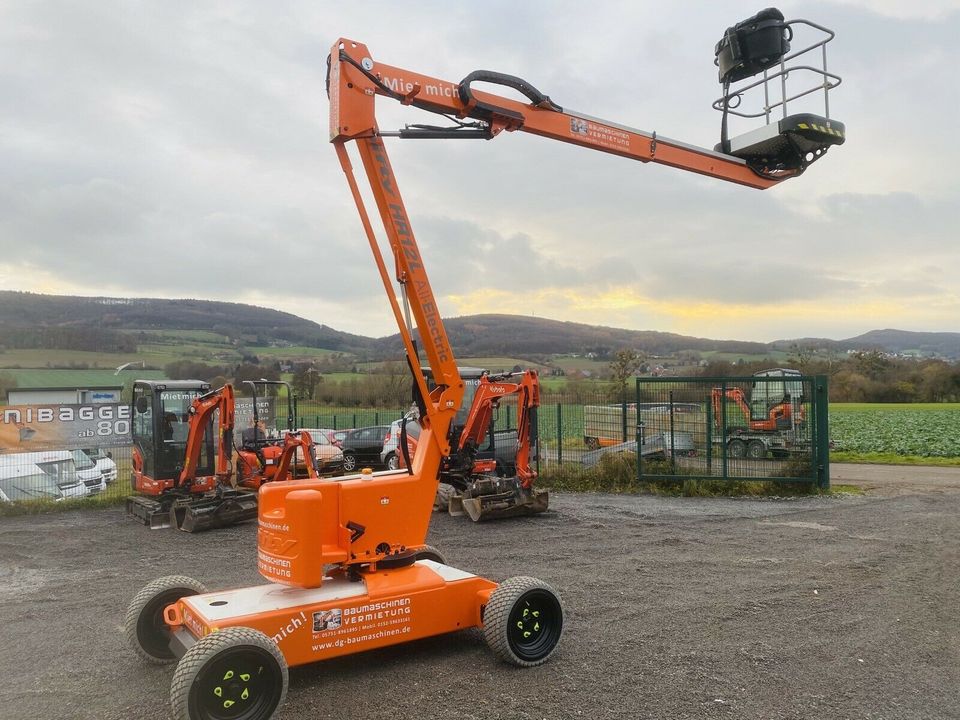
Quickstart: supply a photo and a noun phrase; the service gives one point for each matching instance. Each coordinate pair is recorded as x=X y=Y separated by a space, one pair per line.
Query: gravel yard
x=839 y=607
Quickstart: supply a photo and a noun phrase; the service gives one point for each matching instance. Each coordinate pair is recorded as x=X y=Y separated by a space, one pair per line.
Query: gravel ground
x=841 y=607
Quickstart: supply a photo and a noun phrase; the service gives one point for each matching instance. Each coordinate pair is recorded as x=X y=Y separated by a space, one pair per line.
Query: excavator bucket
x=200 y=514
x=496 y=498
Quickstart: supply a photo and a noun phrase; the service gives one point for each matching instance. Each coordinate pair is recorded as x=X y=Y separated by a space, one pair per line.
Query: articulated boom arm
x=355 y=79
x=201 y=415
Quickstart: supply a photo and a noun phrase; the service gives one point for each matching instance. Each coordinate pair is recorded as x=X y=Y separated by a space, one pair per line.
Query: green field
x=913 y=433
x=293 y=352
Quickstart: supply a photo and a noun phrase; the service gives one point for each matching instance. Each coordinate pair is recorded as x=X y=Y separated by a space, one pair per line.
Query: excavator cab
x=161 y=414
x=762 y=45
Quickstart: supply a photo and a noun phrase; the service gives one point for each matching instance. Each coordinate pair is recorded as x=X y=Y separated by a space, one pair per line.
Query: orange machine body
x=343 y=616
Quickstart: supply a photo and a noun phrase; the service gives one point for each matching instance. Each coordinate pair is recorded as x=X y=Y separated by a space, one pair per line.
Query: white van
x=27 y=482
x=105 y=463
x=62 y=467
x=89 y=471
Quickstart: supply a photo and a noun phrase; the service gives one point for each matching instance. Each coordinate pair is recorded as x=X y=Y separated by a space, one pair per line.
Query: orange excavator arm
x=293 y=441
x=488 y=395
x=201 y=415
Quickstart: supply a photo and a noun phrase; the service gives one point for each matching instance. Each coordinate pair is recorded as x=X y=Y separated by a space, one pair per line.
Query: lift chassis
x=346 y=562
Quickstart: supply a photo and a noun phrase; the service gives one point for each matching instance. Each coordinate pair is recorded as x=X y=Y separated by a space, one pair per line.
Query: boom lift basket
x=761 y=44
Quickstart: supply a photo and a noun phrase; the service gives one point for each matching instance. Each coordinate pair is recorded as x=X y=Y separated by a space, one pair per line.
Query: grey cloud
x=136 y=140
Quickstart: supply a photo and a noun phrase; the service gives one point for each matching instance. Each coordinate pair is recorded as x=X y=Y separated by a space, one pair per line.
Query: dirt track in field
x=841 y=607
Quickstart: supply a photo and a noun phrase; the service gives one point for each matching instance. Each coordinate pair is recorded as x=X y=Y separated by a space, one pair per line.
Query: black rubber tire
x=429 y=552
x=756 y=450
x=349 y=462
x=144 y=626
x=592 y=443
x=393 y=462
x=736 y=448
x=222 y=668
x=523 y=621
x=441 y=501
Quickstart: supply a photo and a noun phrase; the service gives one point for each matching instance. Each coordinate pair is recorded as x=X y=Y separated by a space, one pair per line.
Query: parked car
x=339 y=435
x=362 y=447
x=329 y=434
x=329 y=457
x=105 y=463
x=390 y=454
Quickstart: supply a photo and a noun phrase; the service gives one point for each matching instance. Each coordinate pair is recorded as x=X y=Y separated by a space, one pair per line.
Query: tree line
x=866 y=376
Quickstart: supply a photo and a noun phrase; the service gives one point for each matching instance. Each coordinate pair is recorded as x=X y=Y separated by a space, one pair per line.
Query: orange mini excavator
x=483 y=488
x=345 y=562
x=182 y=475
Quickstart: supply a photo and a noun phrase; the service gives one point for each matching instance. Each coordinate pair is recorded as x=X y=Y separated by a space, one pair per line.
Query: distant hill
x=519 y=335
x=942 y=344
x=31 y=320
x=48 y=319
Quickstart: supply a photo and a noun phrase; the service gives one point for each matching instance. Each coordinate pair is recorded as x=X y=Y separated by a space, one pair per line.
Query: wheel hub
x=529 y=625
x=235 y=688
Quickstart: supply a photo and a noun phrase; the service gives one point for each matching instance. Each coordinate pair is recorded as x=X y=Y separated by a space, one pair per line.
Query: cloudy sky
x=179 y=149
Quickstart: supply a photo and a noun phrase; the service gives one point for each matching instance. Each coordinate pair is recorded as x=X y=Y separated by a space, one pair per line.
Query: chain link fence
x=730 y=429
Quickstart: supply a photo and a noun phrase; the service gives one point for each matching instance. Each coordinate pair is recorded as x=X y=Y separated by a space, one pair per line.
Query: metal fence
x=725 y=428
x=731 y=428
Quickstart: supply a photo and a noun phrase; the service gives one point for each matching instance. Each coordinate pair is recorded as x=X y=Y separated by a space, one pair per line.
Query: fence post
x=559 y=433
x=376 y=418
x=673 y=447
x=623 y=420
x=639 y=431
x=639 y=451
x=709 y=437
x=723 y=426
x=821 y=400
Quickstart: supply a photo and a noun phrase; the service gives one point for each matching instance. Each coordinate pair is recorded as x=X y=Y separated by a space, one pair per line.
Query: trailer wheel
x=429 y=552
x=756 y=450
x=736 y=448
x=233 y=674
x=523 y=621
x=592 y=443
x=144 y=626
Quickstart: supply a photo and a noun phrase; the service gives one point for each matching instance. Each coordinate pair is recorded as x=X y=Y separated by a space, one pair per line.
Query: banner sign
x=25 y=428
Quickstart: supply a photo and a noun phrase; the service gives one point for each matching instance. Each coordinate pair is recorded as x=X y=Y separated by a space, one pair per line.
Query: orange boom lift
x=345 y=560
